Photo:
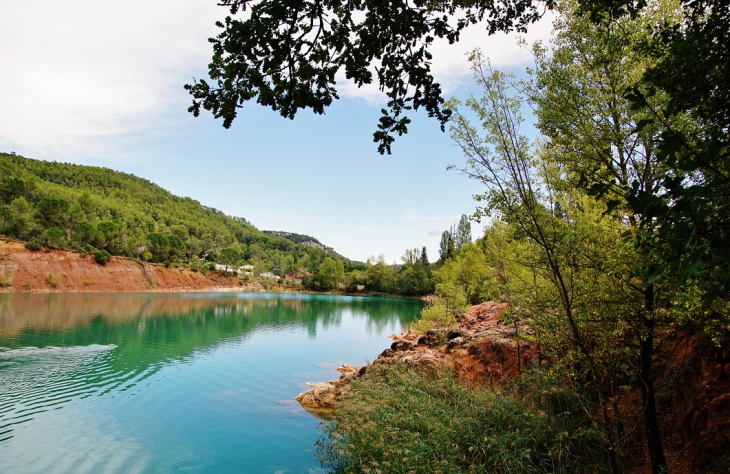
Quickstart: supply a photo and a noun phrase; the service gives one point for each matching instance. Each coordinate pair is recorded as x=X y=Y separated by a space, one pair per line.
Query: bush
x=54 y=280
x=5 y=281
x=101 y=257
x=399 y=420
x=34 y=245
x=435 y=316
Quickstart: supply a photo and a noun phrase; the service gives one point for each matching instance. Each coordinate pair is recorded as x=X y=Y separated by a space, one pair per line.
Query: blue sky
x=100 y=83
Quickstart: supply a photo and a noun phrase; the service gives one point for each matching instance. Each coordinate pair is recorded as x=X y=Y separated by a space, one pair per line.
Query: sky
x=101 y=83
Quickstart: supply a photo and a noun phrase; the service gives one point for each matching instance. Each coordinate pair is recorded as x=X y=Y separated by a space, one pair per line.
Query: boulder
x=427 y=341
x=402 y=345
x=456 y=332
x=322 y=395
x=453 y=344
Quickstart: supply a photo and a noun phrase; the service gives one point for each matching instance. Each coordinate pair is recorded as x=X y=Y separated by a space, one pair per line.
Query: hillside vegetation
x=107 y=213
x=92 y=209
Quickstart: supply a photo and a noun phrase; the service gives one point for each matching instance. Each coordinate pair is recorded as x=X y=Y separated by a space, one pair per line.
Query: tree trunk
x=648 y=393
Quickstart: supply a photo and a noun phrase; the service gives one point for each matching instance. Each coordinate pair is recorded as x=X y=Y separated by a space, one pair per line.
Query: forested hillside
x=91 y=209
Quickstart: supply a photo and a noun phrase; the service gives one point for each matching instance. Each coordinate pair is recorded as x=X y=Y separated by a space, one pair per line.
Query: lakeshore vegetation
x=607 y=234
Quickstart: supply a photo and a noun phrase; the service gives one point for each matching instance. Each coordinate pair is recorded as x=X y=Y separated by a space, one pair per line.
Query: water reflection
x=59 y=350
x=23 y=317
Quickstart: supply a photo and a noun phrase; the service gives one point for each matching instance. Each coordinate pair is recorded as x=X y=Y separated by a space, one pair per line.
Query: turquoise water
x=161 y=383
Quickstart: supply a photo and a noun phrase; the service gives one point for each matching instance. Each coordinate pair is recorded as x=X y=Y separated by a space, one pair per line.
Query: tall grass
x=400 y=420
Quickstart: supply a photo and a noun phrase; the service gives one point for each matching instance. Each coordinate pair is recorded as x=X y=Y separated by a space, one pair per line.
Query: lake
x=157 y=383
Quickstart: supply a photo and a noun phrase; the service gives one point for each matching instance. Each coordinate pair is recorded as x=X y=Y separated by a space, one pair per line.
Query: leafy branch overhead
x=286 y=54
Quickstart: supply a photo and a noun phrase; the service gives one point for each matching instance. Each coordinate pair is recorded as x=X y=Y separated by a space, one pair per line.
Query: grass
x=54 y=279
x=5 y=281
x=400 y=420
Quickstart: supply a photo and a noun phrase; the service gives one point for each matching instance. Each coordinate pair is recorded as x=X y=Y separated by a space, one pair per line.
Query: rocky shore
x=482 y=347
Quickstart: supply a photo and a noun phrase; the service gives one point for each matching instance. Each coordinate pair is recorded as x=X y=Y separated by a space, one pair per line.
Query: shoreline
x=66 y=271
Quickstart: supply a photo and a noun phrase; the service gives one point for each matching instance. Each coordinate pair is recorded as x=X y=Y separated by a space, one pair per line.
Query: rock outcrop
x=47 y=271
x=482 y=347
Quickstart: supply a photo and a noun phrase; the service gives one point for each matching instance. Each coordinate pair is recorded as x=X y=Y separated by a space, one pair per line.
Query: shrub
x=400 y=420
x=101 y=257
x=5 y=281
x=54 y=279
x=34 y=245
x=435 y=316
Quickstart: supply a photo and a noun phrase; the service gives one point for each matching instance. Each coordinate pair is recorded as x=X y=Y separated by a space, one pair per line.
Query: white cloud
x=436 y=231
x=78 y=76
x=85 y=77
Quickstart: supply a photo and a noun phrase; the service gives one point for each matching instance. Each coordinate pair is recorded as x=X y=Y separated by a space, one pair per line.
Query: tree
x=52 y=212
x=193 y=248
x=7 y=215
x=462 y=235
x=329 y=273
x=23 y=223
x=446 y=247
x=424 y=258
x=84 y=232
x=286 y=54
x=229 y=256
x=110 y=235
x=180 y=231
x=55 y=238
x=617 y=332
x=614 y=150
x=467 y=270
x=158 y=246
x=176 y=247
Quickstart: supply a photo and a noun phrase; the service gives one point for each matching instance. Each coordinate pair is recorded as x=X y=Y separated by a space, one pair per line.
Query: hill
x=99 y=210
x=310 y=241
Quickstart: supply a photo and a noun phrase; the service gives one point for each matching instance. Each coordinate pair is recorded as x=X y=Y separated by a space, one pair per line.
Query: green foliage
x=400 y=420
x=84 y=208
x=54 y=280
x=437 y=315
x=286 y=55
x=33 y=245
x=582 y=244
x=101 y=257
x=104 y=209
x=463 y=275
x=55 y=238
x=229 y=256
x=329 y=274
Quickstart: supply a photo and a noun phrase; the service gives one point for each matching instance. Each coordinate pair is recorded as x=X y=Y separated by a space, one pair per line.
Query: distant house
x=270 y=275
x=245 y=270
